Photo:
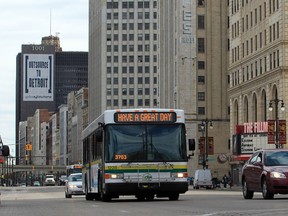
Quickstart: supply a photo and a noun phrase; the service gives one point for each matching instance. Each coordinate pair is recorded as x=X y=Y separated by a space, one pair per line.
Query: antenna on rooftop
x=50 y=21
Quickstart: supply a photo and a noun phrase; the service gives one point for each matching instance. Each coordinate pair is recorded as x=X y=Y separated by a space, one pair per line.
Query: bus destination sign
x=146 y=117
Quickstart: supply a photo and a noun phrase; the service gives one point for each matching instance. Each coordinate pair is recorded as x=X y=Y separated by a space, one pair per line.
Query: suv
x=49 y=180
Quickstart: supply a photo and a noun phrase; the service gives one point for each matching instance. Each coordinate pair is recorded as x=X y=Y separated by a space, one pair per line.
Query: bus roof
x=108 y=117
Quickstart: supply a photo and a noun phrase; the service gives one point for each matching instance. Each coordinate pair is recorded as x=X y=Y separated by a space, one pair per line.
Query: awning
x=242 y=157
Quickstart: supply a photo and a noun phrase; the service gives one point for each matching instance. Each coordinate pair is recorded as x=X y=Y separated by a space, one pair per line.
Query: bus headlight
x=179 y=175
x=114 y=176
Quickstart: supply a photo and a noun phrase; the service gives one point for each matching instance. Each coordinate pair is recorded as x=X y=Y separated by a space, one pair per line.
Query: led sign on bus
x=160 y=117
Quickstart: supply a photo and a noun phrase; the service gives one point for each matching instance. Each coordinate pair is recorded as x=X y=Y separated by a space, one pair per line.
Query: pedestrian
x=230 y=180
x=225 y=180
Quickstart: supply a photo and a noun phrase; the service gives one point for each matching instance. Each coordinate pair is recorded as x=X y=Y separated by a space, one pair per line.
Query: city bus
x=73 y=168
x=139 y=152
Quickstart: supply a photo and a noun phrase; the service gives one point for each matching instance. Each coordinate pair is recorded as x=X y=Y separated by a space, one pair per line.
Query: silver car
x=74 y=185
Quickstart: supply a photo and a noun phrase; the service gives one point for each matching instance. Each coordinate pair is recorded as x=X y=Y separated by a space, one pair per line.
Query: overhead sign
x=160 y=117
x=38 y=77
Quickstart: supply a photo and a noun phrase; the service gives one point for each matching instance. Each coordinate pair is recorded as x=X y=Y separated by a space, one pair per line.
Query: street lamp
x=276 y=101
x=204 y=127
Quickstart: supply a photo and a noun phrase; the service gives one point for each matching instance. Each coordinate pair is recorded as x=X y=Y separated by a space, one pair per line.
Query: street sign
x=28 y=147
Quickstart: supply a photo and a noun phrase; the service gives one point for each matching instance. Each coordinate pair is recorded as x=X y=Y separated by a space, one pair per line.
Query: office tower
x=123 y=55
x=44 y=77
x=175 y=55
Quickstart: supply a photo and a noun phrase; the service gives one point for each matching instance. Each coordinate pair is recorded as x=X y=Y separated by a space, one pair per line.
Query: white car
x=74 y=185
x=49 y=180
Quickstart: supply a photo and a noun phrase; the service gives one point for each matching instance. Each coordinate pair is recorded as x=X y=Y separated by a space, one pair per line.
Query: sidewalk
x=233 y=188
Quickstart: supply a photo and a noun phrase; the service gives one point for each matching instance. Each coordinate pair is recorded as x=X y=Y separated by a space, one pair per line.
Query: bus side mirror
x=191 y=147
x=191 y=143
x=99 y=135
x=5 y=150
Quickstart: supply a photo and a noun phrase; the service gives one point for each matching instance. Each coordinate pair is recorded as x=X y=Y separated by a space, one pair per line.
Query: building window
x=140 y=80
x=108 y=103
x=124 y=80
x=201 y=64
x=147 y=80
x=201 y=3
x=124 y=91
x=115 y=91
x=201 y=22
x=140 y=91
x=115 y=80
x=201 y=110
x=201 y=45
x=131 y=102
x=201 y=96
x=140 y=102
x=147 y=91
x=147 y=102
x=124 y=102
x=131 y=91
x=115 y=102
x=201 y=79
x=108 y=91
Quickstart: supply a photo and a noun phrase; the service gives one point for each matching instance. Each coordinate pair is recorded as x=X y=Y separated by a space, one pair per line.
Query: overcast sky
x=26 y=22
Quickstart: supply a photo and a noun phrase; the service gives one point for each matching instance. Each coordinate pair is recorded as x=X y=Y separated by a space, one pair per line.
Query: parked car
x=49 y=180
x=63 y=179
x=267 y=172
x=74 y=185
x=36 y=183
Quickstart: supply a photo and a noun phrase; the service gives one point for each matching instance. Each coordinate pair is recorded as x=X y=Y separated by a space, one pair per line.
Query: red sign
x=202 y=145
x=271 y=131
x=282 y=131
x=239 y=129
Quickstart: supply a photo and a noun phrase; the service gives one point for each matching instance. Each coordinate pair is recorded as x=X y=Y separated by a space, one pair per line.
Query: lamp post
x=204 y=127
x=276 y=101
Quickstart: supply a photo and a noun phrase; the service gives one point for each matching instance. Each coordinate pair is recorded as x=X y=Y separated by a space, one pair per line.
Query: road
x=50 y=201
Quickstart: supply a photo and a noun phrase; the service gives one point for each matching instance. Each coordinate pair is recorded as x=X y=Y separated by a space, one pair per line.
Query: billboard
x=38 y=74
x=253 y=142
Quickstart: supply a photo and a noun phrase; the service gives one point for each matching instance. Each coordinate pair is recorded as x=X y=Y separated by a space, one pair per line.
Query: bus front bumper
x=157 y=188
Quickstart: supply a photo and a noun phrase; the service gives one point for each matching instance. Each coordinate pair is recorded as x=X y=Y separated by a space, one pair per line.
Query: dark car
x=266 y=171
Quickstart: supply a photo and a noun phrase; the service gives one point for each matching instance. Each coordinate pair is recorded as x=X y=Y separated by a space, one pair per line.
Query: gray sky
x=26 y=22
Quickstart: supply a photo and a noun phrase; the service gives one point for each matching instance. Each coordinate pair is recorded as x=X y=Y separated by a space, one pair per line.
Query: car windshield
x=163 y=142
x=277 y=158
x=74 y=178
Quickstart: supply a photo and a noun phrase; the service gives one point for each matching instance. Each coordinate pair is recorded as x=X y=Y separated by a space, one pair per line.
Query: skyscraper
x=44 y=77
x=164 y=53
x=124 y=55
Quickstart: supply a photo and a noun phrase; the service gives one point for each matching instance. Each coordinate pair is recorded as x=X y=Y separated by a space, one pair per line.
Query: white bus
x=139 y=152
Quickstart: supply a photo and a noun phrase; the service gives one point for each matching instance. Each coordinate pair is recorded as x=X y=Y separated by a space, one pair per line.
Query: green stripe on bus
x=143 y=170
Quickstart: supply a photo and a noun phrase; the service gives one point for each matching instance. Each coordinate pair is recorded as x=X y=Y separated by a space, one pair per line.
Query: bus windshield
x=130 y=143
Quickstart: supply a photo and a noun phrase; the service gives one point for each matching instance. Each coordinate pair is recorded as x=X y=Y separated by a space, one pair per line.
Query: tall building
x=164 y=53
x=193 y=74
x=44 y=77
x=258 y=75
x=124 y=55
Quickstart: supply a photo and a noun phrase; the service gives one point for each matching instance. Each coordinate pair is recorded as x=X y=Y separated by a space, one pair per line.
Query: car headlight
x=72 y=186
x=276 y=174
